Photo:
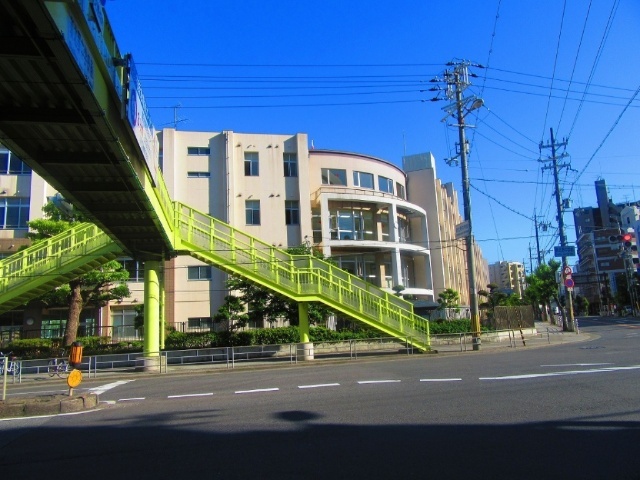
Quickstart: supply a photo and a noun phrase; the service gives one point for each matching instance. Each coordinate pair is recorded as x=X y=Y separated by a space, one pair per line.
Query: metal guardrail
x=291 y=353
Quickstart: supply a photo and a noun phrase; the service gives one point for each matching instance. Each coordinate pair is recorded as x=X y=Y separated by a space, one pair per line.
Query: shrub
x=31 y=347
x=89 y=344
x=276 y=336
x=443 y=327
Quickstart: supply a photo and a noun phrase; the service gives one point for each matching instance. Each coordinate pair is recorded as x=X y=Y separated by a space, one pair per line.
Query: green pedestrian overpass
x=72 y=108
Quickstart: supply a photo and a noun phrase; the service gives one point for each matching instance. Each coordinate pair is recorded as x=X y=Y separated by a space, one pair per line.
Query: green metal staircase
x=38 y=269
x=299 y=277
x=303 y=278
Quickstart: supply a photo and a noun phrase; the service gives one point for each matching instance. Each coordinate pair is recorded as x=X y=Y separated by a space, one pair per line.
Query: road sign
x=569 y=283
x=568 y=251
x=567 y=271
x=463 y=230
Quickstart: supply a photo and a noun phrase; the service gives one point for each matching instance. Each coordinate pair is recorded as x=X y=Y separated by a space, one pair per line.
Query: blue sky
x=355 y=75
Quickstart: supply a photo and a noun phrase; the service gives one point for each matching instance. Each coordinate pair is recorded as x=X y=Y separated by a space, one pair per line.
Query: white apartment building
x=389 y=226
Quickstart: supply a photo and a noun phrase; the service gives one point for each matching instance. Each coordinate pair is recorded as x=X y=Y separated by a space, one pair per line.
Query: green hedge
x=45 y=348
x=442 y=327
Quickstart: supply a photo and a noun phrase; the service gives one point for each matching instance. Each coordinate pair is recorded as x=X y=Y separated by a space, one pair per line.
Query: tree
x=95 y=288
x=582 y=304
x=543 y=287
x=264 y=304
x=449 y=298
x=493 y=295
x=232 y=313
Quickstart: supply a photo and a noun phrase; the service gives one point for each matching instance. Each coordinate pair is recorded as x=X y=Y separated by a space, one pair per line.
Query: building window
x=199 y=273
x=362 y=179
x=385 y=184
x=400 y=191
x=14 y=212
x=252 y=211
x=290 y=165
x=10 y=164
x=198 y=151
x=123 y=322
x=251 y=167
x=135 y=269
x=292 y=212
x=198 y=174
x=200 y=323
x=332 y=176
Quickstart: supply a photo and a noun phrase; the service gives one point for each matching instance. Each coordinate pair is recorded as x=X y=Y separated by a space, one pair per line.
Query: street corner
x=47 y=405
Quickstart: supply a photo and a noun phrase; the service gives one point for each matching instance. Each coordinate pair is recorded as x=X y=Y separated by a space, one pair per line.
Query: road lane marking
x=560 y=374
x=364 y=382
x=320 y=385
x=440 y=379
x=100 y=390
x=191 y=395
x=577 y=365
x=132 y=399
x=257 y=390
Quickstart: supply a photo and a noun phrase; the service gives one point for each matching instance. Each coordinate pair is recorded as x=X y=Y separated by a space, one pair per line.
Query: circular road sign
x=567 y=270
x=569 y=283
x=74 y=378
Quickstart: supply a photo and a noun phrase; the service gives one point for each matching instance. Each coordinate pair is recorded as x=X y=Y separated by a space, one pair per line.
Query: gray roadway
x=565 y=411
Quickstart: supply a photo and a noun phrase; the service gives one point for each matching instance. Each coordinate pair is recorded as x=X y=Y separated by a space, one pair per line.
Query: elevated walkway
x=42 y=267
x=302 y=278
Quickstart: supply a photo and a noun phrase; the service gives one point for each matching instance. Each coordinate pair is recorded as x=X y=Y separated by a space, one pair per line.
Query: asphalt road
x=569 y=411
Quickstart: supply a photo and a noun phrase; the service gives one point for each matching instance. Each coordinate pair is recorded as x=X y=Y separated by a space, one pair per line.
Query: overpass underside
x=67 y=120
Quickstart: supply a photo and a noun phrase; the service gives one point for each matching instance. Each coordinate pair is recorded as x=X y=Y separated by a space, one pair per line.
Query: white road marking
x=364 y=382
x=132 y=399
x=191 y=395
x=320 y=385
x=259 y=390
x=559 y=374
x=440 y=379
x=577 y=365
x=108 y=386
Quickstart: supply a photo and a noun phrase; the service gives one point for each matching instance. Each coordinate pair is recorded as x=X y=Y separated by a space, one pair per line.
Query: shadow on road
x=297 y=445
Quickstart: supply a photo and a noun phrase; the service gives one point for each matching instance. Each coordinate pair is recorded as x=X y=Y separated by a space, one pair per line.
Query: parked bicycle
x=14 y=364
x=59 y=367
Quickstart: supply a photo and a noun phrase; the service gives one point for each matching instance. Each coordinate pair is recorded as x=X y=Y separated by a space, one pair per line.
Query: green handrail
x=52 y=262
x=299 y=277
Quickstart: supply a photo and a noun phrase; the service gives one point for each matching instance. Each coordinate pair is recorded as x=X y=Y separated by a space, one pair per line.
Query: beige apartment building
x=390 y=226
x=508 y=276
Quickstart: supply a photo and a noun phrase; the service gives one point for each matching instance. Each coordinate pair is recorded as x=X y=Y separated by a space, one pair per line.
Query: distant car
x=627 y=311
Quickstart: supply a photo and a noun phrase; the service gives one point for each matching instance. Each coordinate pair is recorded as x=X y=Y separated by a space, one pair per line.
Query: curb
x=47 y=405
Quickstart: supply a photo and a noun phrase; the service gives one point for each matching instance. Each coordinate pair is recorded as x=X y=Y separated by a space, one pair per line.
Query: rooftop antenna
x=177 y=120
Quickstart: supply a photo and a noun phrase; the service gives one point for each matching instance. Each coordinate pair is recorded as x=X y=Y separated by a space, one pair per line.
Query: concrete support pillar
x=151 y=309
x=305 y=349
x=163 y=319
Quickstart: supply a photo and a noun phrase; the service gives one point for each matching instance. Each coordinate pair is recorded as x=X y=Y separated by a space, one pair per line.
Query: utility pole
x=457 y=80
x=544 y=229
x=567 y=325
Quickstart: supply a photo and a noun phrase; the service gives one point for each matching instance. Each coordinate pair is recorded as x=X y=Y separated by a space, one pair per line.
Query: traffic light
x=626 y=239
